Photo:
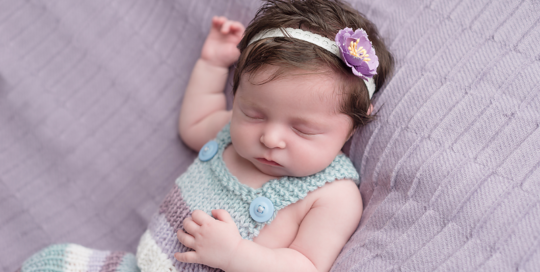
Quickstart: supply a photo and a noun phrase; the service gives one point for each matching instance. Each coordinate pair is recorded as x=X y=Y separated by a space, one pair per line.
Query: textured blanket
x=90 y=92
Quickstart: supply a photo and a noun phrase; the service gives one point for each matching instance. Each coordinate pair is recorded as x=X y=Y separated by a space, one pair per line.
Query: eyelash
x=251 y=117
x=295 y=129
x=304 y=133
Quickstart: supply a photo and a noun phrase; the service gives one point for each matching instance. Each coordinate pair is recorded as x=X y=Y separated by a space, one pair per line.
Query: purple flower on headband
x=357 y=52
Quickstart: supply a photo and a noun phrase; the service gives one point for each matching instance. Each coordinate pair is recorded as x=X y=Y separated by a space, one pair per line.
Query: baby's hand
x=214 y=240
x=220 y=46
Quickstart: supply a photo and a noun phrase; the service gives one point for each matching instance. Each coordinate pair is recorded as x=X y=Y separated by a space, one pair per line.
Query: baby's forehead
x=320 y=84
x=318 y=78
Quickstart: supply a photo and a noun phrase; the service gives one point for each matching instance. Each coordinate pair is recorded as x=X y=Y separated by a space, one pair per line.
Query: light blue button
x=261 y=209
x=208 y=151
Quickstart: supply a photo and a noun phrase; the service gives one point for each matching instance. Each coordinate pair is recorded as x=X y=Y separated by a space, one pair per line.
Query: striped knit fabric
x=205 y=186
x=90 y=93
x=209 y=185
x=71 y=257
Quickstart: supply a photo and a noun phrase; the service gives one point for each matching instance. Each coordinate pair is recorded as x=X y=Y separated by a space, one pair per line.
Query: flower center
x=358 y=52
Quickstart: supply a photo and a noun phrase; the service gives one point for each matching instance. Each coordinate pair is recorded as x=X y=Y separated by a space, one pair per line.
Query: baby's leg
x=71 y=257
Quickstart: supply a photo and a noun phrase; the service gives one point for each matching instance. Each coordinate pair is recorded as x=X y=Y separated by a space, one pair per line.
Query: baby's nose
x=273 y=140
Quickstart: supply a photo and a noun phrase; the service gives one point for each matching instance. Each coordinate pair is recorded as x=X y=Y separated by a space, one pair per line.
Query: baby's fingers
x=217 y=21
x=200 y=217
x=226 y=27
x=186 y=239
x=237 y=27
x=187 y=257
x=222 y=215
x=190 y=226
x=232 y=27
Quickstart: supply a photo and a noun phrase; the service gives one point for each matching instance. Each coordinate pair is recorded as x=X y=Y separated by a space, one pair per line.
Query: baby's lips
x=269 y=162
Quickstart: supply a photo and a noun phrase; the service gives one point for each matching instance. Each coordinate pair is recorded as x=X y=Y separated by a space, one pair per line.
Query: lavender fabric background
x=90 y=92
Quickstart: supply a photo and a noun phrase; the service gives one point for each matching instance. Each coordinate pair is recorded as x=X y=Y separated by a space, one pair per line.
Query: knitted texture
x=451 y=168
x=90 y=93
x=71 y=257
x=205 y=186
x=209 y=185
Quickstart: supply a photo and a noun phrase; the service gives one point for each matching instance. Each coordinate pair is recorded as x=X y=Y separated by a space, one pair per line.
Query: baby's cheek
x=311 y=160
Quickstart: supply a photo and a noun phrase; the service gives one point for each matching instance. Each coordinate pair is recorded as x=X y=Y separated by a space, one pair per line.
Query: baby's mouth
x=265 y=161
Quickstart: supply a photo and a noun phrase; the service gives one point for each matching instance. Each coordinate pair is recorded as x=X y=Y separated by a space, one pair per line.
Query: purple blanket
x=90 y=92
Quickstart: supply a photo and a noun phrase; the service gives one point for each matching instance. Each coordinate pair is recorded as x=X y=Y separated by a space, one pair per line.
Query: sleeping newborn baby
x=271 y=189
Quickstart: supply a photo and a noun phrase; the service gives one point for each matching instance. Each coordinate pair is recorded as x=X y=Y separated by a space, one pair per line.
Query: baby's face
x=289 y=126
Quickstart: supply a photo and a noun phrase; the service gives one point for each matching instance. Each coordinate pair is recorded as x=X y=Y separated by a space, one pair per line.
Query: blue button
x=261 y=209
x=208 y=151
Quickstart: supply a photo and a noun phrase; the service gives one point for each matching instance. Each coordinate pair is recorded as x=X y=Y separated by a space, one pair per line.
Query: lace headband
x=354 y=48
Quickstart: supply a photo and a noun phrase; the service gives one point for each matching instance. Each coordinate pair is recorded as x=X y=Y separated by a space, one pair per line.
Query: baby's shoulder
x=337 y=194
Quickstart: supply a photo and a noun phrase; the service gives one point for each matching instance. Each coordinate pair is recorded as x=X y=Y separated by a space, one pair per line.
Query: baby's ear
x=370 y=110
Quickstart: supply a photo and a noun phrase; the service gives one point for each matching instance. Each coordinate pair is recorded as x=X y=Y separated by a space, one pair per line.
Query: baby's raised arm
x=204 y=112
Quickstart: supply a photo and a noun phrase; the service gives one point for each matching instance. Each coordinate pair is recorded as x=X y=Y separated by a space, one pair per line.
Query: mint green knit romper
x=206 y=185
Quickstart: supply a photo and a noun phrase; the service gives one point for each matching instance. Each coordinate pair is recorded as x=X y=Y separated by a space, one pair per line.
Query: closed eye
x=305 y=132
x=254 y=117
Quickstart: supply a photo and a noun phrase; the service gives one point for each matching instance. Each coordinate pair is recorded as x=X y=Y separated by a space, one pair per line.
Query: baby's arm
x=323 y=232
x=204 y=112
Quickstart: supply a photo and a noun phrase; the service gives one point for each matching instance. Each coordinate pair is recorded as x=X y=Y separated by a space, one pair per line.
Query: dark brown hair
x=323 y=17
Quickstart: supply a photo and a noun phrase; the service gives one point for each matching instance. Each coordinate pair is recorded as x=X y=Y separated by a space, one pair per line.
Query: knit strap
x=285 y=190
